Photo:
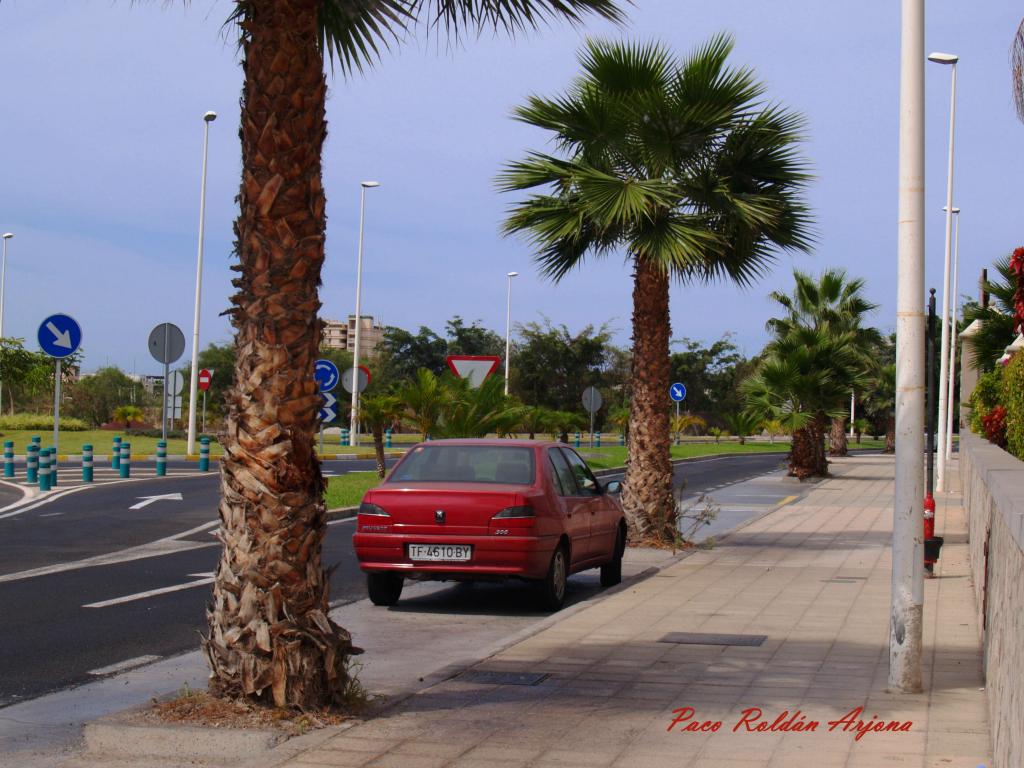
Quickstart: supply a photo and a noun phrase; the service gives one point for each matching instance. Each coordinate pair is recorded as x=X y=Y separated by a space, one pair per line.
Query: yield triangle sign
x=475 y=368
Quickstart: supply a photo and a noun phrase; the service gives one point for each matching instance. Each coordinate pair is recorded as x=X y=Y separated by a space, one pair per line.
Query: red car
x=489 y=509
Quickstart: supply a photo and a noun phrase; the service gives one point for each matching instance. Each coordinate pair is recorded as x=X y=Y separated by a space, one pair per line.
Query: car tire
x=611 y=572
x=553 y=587
x=384 y=588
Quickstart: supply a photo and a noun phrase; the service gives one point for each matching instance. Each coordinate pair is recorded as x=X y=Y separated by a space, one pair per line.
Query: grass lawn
x=347 y=490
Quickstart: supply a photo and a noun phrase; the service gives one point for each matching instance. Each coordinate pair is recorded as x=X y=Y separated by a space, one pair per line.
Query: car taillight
x=521 y=511
x=373 y=519
x=509 y=518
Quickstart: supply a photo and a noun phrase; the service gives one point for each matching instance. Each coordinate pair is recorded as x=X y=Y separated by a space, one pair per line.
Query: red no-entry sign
x=205 y=379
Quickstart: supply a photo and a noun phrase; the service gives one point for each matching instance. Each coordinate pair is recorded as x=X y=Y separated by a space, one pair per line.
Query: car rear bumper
x=526 y=557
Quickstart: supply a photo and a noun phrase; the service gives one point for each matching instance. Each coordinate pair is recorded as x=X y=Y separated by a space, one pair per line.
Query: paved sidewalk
x=813 y=577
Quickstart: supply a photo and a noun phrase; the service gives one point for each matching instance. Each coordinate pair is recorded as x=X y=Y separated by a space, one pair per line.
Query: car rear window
x=466 y=464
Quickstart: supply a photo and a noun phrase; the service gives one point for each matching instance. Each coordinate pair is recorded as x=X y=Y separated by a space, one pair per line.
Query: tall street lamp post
x=193 y=387
x=950 y=399
x=905 y=625
x=508 y=326
x=354 y=426
x=940 y=474
x=3 y=283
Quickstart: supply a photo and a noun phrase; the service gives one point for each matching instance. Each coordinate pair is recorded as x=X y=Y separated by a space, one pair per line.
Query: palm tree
x=684 y=421
x=681 y=165
x=425 y=398
x=834 y=304
x=270 y=637
x=128 y=414
x=742 y=424
x=477 y=411
x=802 y=377
x=997 y=319
x=379 y=412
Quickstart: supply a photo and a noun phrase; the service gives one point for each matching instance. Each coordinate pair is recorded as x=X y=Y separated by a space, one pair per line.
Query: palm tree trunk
x=270 y=637
x=838 y=437
x=802 y=459
x=647 y=494
x=378 y=447
x=890 y=434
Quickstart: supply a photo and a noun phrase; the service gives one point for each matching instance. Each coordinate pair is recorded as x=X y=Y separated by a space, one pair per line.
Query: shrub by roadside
x=1013 y=401
x=41 y=421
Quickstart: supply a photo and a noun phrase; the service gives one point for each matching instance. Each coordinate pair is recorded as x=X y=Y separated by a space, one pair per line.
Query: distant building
x=342 y=335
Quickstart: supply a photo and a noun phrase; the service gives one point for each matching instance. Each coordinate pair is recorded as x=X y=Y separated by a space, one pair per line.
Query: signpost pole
x=164 y=427
x=204 y=411
x=591 y=429
x=56 y=409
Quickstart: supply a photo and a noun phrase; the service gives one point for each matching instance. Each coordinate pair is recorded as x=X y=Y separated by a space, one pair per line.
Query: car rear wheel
x=611 y=572
x=384 y=588
x=552 y=588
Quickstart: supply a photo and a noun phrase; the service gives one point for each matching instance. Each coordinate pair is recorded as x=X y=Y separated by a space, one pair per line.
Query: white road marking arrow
x=60 y=338
x=147 y=500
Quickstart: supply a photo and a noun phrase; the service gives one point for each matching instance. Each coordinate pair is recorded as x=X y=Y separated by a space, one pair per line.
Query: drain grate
x=711 y=638
x=503 y=678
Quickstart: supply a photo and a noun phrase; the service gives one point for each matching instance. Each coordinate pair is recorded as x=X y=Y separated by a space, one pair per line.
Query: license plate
x=440 y=552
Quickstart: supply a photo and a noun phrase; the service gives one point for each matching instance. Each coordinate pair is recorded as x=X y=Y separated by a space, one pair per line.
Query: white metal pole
x=354 y=426
x=3 y=284
x=950 y=399
x=940 y=470
x=853 y=410
x=905 y=629
x=508 y=327
x=193 y=386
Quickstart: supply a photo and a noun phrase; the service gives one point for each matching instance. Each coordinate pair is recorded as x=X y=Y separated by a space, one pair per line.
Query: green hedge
x=40 y=421
x=987 y=395
x=1013 y=401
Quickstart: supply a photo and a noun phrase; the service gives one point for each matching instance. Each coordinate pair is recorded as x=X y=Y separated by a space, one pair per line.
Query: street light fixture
x=508 y=326
x=354 y=426
x=948 y=434
x=3 y=283
x=944 y=406
x=193 y=387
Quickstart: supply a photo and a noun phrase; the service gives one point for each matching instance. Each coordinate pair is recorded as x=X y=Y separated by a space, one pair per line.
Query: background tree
x=686 y=421
x=552 y=366
x=93 y=398
x=997 y=319
x=680 y=164
x=477 y=411
x=742 y=424
x=27 y=377
x=270 y=635
x=472 y=339
x=126 y=414
x=712 y=375
x=424 y=398
x=402 y=354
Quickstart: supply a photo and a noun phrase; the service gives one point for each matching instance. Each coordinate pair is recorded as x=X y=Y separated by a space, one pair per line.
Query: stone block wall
x=992 y=482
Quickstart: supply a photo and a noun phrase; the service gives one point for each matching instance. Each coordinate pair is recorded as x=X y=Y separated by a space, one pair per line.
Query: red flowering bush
x=1017 y=267
x=995 y=426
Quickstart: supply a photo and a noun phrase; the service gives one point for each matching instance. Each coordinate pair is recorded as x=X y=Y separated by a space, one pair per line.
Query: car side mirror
x=613 y=487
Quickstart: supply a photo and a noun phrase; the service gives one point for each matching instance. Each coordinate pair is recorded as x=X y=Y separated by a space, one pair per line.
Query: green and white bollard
x=204 y=454
x=8 y=458
x=32 y=463
x=161 y=458
x=44 y=469
x=576 y=440
x=344 y=436
x=387 y=437
x=87 y=463
x=126 y=460
x=115 y=454
x=597 y=439
x=622 y=438
x=37 y=442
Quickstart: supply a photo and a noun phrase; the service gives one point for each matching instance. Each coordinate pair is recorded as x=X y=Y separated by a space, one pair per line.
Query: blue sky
x=101 y=128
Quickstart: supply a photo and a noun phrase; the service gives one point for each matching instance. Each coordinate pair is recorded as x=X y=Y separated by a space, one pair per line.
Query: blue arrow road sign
x=327 y=413
x=326 y=374
x=59 y=336
x=677 y=392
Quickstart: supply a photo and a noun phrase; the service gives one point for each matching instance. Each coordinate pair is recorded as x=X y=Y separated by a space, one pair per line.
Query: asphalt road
x=62 y=623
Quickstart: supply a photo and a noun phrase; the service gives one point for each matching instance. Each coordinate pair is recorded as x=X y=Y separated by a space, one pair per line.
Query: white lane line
x=149 y=593
x=341 y=520
x=124 y=666
x=167 y=546
x=52 y=514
